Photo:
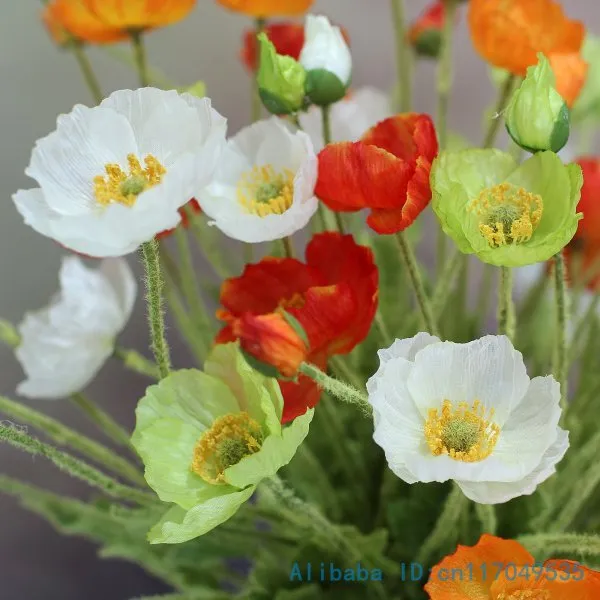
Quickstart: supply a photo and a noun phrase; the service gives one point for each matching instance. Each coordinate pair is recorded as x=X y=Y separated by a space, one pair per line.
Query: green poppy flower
x=506 y=214
x=208 y=438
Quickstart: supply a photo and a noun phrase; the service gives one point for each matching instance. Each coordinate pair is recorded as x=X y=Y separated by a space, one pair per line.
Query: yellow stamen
x=230 y=438
x=509 y=214
x=263 y=191
x=463 y=433
x=124 y=188
x=524 y=595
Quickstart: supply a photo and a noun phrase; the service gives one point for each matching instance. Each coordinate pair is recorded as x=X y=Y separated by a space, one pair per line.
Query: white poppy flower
x=325 y=48
x=113 y=176
x=466 y=412
x=351 y=117
x=64 y=345
x=263 y=189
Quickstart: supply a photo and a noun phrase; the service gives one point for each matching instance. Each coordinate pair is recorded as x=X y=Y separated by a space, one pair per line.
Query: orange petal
x=271 y=340
x=267 y=8
x=469 y=573
x=571 y=73
x=356 y=175
x=287 y=37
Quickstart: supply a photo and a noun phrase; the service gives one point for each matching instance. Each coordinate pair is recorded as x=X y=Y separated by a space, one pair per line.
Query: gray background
x=38 y=82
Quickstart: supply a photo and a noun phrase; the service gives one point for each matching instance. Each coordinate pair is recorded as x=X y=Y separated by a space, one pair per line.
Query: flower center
x=263 y=191
x=297 y=300
x=124 y=188
x=509 y=215
x=230 y=438
x=524 y=595
x=463 y=433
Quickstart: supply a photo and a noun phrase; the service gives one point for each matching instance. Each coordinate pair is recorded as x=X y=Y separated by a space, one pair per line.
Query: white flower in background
x=466 y=412
x=326 y=49
x=351 y=117
x=64 y=345
x=113 y=176
x=263 y=189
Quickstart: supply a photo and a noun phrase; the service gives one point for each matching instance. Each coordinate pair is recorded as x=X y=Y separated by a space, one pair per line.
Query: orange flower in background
x=386 y=171
x=425 y=34
x=62 y=16
x=509 y=34
x=288 y=39
x=105 y=21
x=332 y=296
x=588 y=230
x=267 y=8
x=474 y=573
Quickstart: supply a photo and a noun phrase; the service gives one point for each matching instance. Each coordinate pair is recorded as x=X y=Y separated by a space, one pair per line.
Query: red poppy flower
x=425 y=34
x=287 y=37
x=589 y=227
x=332 y=296
x=386 y=171
x=185 y=220
x=496 y=568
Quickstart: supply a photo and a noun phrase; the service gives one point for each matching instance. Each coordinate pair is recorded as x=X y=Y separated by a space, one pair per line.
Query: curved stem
x=503 y=98
x=403 y=55
x=134 y=361
x=413 y=271
x=87 y=71
x=141 y=60
x=154 y=299
x=561 y=363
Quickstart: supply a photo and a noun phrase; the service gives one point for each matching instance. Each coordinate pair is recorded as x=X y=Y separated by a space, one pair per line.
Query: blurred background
x=39 y=81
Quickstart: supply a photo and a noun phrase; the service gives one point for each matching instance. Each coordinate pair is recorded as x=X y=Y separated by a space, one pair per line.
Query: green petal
x=457 y=178
x=276 y=451
x=256 y=394
x=187 y=395
x=178 y=525
x=167 y=449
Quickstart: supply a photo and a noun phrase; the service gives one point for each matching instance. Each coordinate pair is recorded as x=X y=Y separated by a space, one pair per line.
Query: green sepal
x=324 y=88
x=263 y=368
x=429 y=44
x=296 y=326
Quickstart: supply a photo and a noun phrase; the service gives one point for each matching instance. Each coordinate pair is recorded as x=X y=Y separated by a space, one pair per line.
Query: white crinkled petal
x=351 y=117
x=65 y=162
x=325 y=48
x=120 y=276
x=492 y=492
x=488 y=369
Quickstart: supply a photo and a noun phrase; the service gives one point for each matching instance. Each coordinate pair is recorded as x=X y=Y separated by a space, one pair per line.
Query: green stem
x=486 y=514
x=567 y=544
x=256 y=111
x=503 y=99
x=413 y=271
x=288 y=246
x=485 y=293
x=103 y=420
x=342 y=370
x=403 y=56
x=155 y=309
x=141 y=60
x=506 y=307
x=87 y=71
x=336 y=388
x=73 y=466
x=9 y=334
x=561 y=355
x=445 y=74
x=331 y=537
x=582 y=327
x=326 y=112
x=64 y=436
x=445 y=526
x=193 y=297
x=134 y=361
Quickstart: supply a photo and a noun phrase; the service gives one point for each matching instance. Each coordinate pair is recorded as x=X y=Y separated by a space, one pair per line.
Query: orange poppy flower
x=61 y=16
x=496 y=568
x=510 y=33
x=105 y=21
x=287 y=37
x=425 y=34
x=267 y=8
x=386 y=171
x=332 y=296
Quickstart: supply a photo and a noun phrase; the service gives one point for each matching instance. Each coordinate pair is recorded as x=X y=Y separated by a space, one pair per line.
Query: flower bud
x=327 y=60
x=425 y=35
x=537 y=117
x=281 y=80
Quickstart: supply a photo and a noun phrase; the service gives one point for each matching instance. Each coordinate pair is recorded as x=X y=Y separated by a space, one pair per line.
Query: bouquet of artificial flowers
x=354 y=427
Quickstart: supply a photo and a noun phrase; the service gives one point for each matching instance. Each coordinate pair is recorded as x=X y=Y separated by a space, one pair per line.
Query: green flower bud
x=281 y=80
x=537 y=117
